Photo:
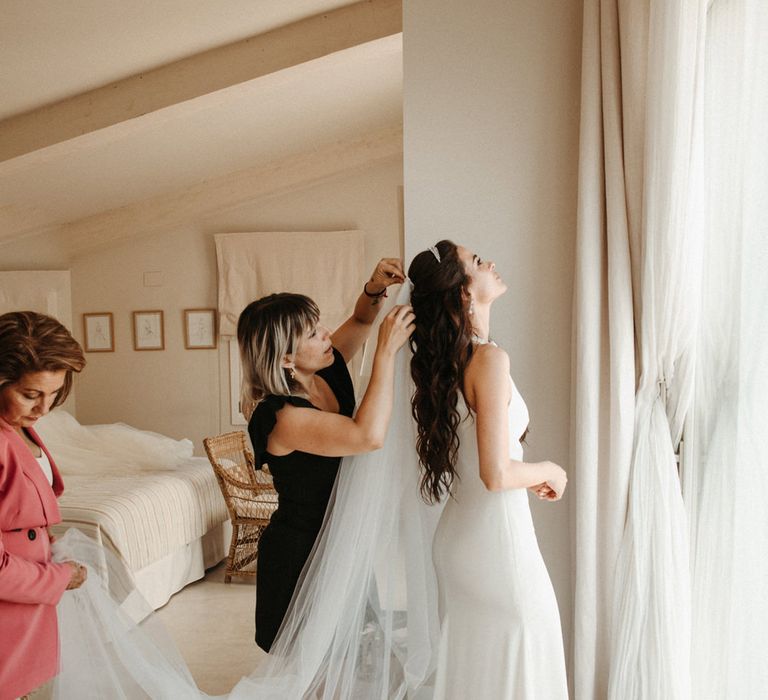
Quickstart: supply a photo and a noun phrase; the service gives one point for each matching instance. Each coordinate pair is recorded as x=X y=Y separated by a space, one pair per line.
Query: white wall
x=491 y=98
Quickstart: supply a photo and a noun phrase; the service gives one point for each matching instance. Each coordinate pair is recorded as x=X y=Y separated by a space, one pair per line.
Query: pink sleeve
x=25 y=581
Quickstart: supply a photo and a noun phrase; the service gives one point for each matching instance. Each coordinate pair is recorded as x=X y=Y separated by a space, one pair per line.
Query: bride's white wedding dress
x=500 y=626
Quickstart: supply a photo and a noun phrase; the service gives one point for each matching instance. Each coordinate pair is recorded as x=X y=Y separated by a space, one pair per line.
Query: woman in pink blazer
x=37 y=358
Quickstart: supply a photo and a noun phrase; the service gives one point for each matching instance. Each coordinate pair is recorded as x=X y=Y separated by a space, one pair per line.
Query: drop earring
x=292 y=373
x=471 y=311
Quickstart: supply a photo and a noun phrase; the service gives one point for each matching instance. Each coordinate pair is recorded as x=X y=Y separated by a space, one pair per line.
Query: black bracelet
x=382 y=293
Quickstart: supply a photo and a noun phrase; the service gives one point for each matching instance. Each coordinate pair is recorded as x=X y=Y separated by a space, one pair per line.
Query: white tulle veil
x=363 y=622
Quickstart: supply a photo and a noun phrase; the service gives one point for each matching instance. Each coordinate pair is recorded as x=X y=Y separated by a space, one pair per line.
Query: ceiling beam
x=198 y=203
x=194 y=77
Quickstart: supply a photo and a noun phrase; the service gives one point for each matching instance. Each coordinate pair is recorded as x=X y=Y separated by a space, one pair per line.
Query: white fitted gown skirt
x=500 y=626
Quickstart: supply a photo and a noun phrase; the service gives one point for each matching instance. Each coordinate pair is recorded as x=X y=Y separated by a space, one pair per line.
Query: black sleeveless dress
x=304 y=483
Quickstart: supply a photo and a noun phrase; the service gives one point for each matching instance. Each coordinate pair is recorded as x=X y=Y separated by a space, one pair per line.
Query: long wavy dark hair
x=442 y=348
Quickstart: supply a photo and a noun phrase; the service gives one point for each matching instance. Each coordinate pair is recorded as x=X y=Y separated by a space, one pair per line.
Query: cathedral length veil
x=363 y=623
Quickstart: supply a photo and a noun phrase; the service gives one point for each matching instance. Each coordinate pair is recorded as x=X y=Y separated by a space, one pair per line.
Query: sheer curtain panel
x=650 y=637
x=726 y=469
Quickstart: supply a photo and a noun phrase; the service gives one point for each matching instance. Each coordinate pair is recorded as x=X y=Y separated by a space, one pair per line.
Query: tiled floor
x=212 y=624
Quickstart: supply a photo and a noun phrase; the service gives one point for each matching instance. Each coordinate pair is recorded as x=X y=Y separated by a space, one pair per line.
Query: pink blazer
x=30 y=584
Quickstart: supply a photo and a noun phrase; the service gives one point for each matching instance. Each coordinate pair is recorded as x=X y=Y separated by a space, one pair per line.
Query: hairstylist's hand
x=395 y=329
x=388 y=271
x=78 y=576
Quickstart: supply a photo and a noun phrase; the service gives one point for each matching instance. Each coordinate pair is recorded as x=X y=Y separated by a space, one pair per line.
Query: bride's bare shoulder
x=486 y=371
x=488 y=359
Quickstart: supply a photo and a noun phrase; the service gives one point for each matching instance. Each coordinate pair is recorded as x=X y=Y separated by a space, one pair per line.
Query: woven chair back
x=248 y=492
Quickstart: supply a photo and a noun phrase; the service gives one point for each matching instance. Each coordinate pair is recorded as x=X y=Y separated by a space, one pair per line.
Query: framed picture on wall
x=199 y=329
x=99 y=332
x=148 y=333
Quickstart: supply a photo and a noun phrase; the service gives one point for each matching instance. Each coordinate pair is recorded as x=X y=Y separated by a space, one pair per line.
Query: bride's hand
x=543 y=492
x=556 y=481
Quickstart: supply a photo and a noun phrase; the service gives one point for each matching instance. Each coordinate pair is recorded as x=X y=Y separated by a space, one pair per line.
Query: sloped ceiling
x=106 y=104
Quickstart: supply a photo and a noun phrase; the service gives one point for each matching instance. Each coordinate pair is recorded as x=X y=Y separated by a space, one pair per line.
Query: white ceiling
x=52 y=50
x=346 y=93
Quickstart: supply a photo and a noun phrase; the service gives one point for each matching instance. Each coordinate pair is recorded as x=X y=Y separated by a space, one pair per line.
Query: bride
x=373 y=616
x=501 y=635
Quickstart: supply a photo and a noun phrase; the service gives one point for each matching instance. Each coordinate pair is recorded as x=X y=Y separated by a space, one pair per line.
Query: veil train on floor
x=363 y=622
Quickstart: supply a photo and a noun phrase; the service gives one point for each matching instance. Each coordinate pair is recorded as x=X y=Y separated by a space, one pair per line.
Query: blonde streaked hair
x=33 y=342
x=268 y=330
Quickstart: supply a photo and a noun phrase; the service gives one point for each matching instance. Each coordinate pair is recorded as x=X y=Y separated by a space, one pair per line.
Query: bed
x=142 y=496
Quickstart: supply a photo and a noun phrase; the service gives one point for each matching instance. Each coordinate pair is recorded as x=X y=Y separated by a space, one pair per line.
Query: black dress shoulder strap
x=263 y=421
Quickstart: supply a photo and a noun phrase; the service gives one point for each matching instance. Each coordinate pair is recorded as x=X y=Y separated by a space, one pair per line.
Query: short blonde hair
x=268 y=330
x=33 y=342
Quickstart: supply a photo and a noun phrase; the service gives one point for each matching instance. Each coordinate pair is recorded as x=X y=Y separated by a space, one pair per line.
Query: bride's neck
x=481 y=322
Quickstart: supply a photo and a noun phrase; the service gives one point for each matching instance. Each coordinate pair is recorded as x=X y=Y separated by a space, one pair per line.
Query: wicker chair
x=250 y=496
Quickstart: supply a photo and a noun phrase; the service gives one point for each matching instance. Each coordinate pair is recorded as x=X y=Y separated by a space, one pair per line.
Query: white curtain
x=726 y=465
x=603 y=344
x=325 y=265
x=650 y=638
x=640 y=203
x=674 y=170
